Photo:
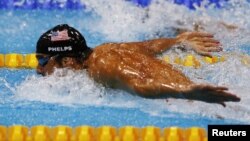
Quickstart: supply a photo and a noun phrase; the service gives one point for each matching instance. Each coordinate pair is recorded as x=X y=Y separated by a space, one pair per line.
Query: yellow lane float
x=129 y=133
x=62 y=133
x=40 y=133
x=102 y=133
x=13 y=60
x=213 y=59
x=3 y=133
x=106 y=133
x=193 y=61
x=17 y=133
x=151 y=133
x=84 y=133
x=31 y=61
x=195 y=134
x=1 y=60
x=174 y=134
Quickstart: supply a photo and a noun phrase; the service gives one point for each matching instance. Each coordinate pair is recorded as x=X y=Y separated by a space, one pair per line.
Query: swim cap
x=63 y=40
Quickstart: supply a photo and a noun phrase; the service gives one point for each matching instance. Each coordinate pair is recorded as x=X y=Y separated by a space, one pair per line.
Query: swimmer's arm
x=154 y=46
x=154 y=89
x=160 y=45
x=201 y=92
x=202 y=43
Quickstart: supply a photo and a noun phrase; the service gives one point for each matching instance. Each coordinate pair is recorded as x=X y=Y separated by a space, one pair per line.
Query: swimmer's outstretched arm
x=201 y=92
x=202 y=43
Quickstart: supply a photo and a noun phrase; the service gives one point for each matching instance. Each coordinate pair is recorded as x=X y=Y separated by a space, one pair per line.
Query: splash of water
x=66 y=89
x=124 y=21
x=70 y=88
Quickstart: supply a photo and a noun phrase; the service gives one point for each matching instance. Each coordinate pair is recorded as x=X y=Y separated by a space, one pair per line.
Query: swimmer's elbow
x=142 y=92
x=153 y=90
x=156 y=94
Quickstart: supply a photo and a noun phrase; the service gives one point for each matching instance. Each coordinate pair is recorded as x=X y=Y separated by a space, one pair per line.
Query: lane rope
x=29 y=61
x=101 y=133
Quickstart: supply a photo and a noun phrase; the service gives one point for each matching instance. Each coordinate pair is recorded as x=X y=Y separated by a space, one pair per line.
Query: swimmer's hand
x=210 y=94
x=201 y=42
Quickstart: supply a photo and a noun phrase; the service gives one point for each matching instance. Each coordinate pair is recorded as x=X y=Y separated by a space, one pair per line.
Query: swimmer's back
x=115 y=63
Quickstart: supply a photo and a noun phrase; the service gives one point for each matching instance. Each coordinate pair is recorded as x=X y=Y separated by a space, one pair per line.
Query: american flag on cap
x=60 y=35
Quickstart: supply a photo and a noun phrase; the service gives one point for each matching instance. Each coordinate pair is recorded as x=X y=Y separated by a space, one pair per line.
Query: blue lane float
x=41 y=4
x=191 y=4
x=77 y=4
x=142 y=3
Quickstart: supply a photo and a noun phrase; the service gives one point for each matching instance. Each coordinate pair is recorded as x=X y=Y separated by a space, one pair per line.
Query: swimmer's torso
x=117 y=65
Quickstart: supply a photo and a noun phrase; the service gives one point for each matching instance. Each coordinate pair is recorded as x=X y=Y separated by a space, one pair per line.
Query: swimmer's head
x=64 y=46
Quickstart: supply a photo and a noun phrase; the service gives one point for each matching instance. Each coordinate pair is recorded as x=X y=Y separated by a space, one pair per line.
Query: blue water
x=19 y=32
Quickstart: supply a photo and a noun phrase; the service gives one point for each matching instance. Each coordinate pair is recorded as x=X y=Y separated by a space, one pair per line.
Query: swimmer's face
x=47 y=64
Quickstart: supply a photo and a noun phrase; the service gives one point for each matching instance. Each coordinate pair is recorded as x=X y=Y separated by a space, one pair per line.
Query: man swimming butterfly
x=131 y=66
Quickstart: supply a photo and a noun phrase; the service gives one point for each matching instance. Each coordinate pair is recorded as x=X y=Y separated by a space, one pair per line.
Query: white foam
x=57 y=89
x=123 y=21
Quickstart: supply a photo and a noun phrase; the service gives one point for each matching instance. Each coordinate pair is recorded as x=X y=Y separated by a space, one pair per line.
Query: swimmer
x=131 y=66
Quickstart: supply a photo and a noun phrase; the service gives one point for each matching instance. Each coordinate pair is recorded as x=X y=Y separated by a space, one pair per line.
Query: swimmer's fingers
x=205 y=51
x=221 y=88
x=211 y=49
x=218 y=96
x=214 y=94
x=200 y=34
x=205 y=40
x=208 y=45
x=202 y=52
x=210 y=87
x=192 y=35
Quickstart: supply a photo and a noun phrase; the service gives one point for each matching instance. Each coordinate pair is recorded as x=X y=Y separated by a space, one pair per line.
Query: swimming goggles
x=44 y=60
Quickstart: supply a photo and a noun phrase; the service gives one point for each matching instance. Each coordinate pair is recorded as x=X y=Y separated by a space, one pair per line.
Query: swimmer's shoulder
x=103 y=49
x=122 y=45
x=106 y=47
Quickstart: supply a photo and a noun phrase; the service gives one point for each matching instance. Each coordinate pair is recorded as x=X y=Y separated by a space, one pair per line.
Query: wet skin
x=134 y=67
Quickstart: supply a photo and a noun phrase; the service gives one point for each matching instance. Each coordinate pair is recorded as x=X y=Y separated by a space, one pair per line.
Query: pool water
x=30 y=99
